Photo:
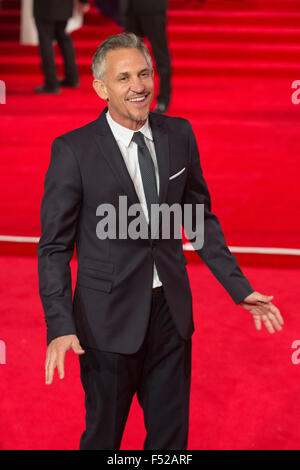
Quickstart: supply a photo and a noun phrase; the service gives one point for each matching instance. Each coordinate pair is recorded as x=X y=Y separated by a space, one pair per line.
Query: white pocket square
x=177 y=174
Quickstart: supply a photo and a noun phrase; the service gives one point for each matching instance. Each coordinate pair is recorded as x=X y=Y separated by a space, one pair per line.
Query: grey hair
x=117 y=41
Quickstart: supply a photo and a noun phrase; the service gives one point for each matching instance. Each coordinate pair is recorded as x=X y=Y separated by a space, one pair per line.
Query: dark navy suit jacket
x=111 y=306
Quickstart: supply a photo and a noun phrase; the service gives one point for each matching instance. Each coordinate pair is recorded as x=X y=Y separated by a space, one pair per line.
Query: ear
x=100 y=89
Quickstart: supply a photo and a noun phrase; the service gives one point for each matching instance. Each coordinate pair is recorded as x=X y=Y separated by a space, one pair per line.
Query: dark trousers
x=48 y=31
x=160 y=374
x=153 y=26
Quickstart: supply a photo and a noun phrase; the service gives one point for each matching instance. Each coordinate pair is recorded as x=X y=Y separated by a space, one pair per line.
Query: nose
x=137 y=85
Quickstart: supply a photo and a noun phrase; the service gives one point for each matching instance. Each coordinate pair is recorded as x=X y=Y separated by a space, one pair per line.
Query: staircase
x=212 y=38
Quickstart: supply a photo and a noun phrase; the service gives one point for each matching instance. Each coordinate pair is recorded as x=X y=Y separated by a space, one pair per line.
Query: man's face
x=128 y=86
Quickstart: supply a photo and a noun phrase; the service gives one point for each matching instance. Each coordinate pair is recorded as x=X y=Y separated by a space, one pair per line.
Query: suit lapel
x=112 y=154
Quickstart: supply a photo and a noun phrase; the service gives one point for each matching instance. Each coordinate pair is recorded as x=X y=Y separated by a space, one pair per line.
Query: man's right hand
x=55 y=356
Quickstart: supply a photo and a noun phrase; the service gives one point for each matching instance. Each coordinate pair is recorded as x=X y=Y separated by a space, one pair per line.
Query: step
x=10 y=17
x=205 y=34
x=235 y=68
x=197 y=68
x=191 y=35
x=204 y=51
x=230 y=5
x=240 y=5
x=234 y=25
x=247 y=52
x=190 y=17
x=10 y=32
x=11 y=4
x=214 y=18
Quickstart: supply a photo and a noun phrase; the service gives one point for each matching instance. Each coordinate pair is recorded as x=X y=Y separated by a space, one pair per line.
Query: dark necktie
x=147 y=171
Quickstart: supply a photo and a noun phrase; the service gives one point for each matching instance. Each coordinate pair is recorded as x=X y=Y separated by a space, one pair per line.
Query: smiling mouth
x=138 y=99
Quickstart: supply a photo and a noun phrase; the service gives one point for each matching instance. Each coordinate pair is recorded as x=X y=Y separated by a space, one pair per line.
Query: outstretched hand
x=262 y=309
x=55 y=356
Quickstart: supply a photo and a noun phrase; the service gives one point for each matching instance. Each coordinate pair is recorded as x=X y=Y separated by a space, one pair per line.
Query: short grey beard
x=139 y=119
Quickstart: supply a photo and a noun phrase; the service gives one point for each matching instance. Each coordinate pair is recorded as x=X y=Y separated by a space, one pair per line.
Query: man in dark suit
x=51 y=17
x=148 y=18
x=131 y=318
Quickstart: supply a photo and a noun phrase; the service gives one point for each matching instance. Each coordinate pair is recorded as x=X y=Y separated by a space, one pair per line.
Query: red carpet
x=233 y=65
x=247 y=131
x=234 y=86
x=244 y=385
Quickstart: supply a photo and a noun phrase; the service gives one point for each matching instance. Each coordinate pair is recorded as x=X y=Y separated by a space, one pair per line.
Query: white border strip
x=250 y=249
x=9 y=238
x=186 y=246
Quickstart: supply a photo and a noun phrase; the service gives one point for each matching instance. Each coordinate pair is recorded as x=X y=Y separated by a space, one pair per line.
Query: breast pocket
x=177 y=174
x=176 y=186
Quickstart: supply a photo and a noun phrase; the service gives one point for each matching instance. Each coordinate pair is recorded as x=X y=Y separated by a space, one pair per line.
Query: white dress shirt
x=129 y=151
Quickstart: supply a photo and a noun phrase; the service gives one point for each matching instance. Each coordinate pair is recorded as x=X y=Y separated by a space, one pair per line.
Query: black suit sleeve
x=60 y=210
x=214 y=252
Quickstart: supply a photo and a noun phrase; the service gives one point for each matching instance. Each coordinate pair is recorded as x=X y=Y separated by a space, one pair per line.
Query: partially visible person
x=110 y=9
x=148 y=18
x=51 y=17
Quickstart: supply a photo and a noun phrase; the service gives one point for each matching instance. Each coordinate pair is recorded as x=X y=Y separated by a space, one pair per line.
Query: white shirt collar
x=124 y=134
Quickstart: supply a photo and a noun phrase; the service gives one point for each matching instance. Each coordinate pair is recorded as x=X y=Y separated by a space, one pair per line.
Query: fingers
x=270 y=321
x=272 y=318
x=264 y=311
x=266 y=308
x=54 y=359
x=60 y=363
x=50 y=365
x=272 y=314
x=265 y=298
x=257 y=322
x=275 y=311
x=77 y=348
x=55 y=356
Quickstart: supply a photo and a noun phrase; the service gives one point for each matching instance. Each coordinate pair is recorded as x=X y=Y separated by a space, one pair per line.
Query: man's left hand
x=262 y=309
